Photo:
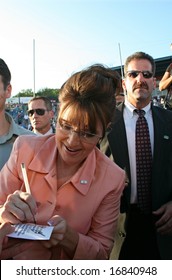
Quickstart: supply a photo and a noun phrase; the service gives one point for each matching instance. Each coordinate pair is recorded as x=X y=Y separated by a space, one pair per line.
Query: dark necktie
x=143 y=163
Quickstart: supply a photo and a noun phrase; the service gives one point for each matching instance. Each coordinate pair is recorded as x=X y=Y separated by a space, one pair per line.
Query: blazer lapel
x=45 y=162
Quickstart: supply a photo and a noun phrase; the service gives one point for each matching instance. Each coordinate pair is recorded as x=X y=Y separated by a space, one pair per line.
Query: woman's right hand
x=19 y=207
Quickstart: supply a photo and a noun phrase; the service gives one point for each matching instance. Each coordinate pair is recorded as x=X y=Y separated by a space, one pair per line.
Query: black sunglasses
x=134 y=74
x=39 y=112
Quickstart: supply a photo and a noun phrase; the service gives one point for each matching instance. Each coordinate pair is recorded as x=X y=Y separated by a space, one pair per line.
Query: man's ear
x=123 y=85
x=51 y=114
x=8 y=91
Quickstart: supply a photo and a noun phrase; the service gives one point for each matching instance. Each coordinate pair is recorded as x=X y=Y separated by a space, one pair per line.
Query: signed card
x=32 y=231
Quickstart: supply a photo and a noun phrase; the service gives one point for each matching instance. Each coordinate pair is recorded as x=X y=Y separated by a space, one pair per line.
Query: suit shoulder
x=107 y=162
x=161 y=111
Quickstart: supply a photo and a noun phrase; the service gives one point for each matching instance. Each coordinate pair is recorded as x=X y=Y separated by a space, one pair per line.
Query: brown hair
x=5 y=73
x=47 y=101
x=91 y=95
x=138 y=56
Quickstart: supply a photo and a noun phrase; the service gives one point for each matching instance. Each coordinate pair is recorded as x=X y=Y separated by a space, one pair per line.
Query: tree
x=25 y=93
x=48 y=92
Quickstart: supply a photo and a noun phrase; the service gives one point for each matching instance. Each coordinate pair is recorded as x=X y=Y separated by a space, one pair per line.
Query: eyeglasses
x=84 y=136
x=39 y=112
x=133 y=74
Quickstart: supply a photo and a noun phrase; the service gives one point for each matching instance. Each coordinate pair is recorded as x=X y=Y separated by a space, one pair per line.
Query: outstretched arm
x=166 y=80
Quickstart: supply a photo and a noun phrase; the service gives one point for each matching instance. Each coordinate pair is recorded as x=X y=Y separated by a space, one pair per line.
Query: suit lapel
x=118 y=141
x=118 y=144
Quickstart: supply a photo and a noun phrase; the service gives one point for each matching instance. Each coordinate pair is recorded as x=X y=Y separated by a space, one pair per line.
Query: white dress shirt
x=50 y=131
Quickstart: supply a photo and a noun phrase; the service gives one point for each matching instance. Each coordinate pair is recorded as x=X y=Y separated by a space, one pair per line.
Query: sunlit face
x=4 y=94
x=139 y=89
x=72 y=149
x=40 y=123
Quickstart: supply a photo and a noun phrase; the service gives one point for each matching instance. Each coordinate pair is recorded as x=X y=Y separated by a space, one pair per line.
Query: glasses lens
x=66 y=128
x=39 y=112
x=84 y=136
x=87 y=136
x=147 y=74
x=134 y=74
x=31 y=112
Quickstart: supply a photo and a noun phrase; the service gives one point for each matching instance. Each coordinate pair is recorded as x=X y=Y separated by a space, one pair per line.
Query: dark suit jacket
x=162 y=164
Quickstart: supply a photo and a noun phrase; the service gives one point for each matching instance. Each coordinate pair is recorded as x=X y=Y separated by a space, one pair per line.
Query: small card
x=32 y=231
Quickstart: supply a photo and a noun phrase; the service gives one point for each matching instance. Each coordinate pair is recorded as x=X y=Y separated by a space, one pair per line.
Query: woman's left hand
x=59 y=231
x=63 y=234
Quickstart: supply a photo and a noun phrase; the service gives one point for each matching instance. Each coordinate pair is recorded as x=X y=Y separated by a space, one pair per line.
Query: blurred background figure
x=5 y=228
x=166 y=84
x=119 y=94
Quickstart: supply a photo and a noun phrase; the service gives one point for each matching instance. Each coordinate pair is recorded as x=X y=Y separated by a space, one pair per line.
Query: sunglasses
x=133 y=74
x=39 y=112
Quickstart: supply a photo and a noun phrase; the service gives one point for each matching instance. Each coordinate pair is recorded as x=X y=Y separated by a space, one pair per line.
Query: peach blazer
x=89 y=202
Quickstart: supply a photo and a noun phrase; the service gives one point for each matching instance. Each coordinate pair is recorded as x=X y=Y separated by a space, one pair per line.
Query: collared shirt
x=50 y=131
x=7 y=140
x=89 y=201
x=130 y=118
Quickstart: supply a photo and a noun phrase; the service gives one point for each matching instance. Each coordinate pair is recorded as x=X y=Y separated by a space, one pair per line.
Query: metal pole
x=33 y=67
x=122 y=75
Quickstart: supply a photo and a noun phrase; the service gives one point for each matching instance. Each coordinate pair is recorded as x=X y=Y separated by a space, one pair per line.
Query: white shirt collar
x=130 y=108
x=50 y=131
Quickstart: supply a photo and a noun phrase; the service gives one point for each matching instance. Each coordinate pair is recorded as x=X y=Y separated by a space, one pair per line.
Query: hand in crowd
x=19 y=207
x=164 y=223
x=5 y=228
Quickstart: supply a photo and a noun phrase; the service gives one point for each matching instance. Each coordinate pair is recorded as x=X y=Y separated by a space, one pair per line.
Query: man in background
x=9 y=130
x=145 y=223
x=41 y=113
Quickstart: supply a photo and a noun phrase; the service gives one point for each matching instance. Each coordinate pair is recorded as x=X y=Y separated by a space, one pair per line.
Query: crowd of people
x=86 y=178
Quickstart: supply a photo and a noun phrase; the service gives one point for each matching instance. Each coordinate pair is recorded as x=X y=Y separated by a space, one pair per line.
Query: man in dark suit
x=144 y=236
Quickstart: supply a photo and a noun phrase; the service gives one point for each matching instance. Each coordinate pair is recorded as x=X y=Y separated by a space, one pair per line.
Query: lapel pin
x=166 y=137
x=83 y=182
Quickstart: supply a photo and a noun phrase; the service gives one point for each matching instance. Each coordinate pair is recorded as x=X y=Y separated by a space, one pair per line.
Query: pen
x=26 y=182
x=25 y=178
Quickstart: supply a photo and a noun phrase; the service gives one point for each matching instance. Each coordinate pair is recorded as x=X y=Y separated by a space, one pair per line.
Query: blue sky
x=72 y=34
